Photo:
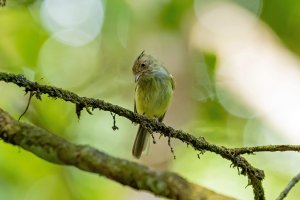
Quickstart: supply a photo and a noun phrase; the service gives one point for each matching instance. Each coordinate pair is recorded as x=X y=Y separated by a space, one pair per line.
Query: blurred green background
x=88 y=47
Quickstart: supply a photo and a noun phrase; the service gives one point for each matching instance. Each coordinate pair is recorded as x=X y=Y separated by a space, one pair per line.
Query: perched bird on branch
x=153 y=94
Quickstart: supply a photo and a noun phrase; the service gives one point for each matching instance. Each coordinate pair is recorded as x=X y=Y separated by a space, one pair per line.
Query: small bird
x=153 y=94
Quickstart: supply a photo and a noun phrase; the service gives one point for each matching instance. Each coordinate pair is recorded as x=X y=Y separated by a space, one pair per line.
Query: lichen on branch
x=255 y=176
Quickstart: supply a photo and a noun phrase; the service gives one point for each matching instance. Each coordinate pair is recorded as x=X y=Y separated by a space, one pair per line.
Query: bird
x=153 y=94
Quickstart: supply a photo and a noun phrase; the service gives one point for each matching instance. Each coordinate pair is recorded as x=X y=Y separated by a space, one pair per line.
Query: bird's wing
x=161 y=118
x=135 y=102
x=172 y=82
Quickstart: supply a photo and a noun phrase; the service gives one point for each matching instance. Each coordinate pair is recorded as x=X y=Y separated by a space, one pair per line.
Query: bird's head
x=142 y=64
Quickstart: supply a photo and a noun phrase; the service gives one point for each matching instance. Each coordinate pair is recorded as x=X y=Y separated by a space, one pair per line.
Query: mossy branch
x=267 y=148
x=57 y=150
x=255 y=176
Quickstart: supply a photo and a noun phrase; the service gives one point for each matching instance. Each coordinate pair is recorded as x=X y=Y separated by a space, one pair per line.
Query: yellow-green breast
x=153 y=93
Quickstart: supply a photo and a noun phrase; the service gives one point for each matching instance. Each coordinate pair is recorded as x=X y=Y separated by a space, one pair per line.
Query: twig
x=27 y=106
x=291 y=184
x=171 y=148
x=268 y=148
x=114 y=127
x=57 y=150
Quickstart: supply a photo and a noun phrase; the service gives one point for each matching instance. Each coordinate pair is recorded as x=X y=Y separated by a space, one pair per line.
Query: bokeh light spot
x=66 y=17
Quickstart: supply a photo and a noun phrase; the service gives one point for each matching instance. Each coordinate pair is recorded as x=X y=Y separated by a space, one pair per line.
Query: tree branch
x=57 y=150
x=291 y=184
x=255 y=176
x=270 y=148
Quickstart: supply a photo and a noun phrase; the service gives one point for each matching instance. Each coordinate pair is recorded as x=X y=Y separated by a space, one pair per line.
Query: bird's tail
x=140 y=142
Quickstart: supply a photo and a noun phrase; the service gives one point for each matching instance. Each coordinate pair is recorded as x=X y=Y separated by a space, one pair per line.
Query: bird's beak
x=136 y=78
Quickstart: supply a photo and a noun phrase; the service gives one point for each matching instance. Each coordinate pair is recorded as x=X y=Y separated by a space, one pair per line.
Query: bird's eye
x=143 y=65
